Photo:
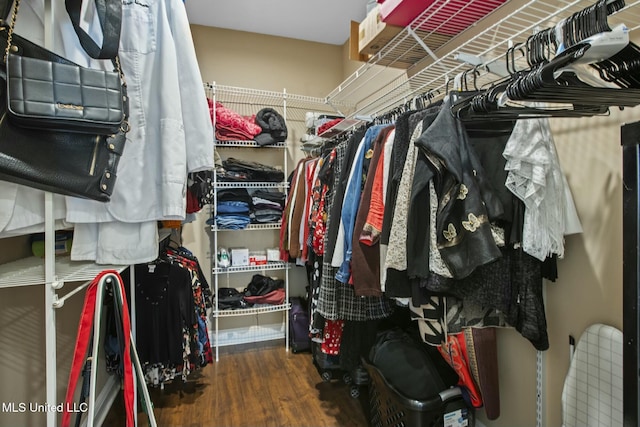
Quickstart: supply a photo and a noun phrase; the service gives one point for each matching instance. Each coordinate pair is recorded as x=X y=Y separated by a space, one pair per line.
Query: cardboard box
x=273 y=255
x=257 y=259
x=402 y=12
x=374 y=34
x=441 y=18
x=354 y=49
x=239 y=257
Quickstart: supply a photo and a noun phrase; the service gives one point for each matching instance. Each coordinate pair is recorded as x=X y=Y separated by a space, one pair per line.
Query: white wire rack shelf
x=247 y=101
x=269 y=266
x=256 y=333
x=251 y=227
x=486 y=42
x=251 y=184
x=247 y=144
x=250 y=311
x=31 y=271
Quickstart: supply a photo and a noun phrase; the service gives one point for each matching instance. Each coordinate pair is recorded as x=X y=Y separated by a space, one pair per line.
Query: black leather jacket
x=466 y=204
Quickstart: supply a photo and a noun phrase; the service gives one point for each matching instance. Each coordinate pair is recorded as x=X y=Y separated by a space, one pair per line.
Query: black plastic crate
x=389 y=408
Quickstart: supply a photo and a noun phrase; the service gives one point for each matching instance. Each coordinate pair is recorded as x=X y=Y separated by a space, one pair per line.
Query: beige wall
x=238 y=58
x=589 y=287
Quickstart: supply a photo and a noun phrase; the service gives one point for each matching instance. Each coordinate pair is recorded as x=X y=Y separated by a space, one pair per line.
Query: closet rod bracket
x=498 y=68
x=422 y=43
x=336 y=109
x=57 y=302
x=57 y=283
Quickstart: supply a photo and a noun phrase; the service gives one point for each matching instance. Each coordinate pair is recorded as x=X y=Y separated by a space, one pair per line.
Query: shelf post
x=50 y=265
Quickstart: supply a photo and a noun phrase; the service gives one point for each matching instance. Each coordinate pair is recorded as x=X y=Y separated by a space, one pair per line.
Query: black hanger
x=589 y=21
x=542 y=84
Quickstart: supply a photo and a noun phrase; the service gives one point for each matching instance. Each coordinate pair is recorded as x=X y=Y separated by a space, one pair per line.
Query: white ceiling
x=325 y=21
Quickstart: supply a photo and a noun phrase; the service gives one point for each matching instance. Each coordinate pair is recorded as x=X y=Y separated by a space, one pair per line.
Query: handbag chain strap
x=12 y=24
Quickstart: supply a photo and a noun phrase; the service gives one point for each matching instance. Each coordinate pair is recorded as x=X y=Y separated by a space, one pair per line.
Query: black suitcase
x=299 y=326
x=328 y=366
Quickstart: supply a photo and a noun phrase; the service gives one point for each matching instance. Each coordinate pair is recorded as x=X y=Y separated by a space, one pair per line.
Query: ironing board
x=592 y=394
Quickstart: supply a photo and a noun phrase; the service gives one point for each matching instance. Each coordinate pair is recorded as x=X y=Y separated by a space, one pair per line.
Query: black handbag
x=62 y=126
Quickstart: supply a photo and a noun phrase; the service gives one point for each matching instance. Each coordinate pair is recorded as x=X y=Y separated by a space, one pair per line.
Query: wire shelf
x=31 y=271
x=250 y=311
x=487 y=40
x=247 y=144
x=251 y=227
x=251 y=184
x=253 y=334
x=269 y=266
x=247 y=101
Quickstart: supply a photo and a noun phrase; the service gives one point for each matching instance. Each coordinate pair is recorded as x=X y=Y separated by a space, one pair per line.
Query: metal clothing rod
x=58 y=302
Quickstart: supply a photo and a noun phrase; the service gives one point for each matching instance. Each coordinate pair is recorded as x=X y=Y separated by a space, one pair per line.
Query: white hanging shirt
x=535 y=177
x=171 y=131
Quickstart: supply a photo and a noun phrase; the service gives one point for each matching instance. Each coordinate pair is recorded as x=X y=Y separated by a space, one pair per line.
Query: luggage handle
x=450 y=393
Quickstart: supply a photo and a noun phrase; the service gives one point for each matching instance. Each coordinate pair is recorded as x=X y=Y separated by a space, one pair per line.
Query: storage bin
x=374 y=34
x=443 y=17
x=390 y=408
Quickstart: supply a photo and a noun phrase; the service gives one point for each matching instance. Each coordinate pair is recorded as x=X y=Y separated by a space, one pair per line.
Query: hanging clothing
x=365 y=259
x=372 y=228
x=172 y=297
x=397 y=160
x=386 y=177
x=311 y=174
x=397 y=251
x=467 y=205
x=171 y=133
x=335 y=299
x=164 y=313
x=297 y=213
x=397 y=281
x=535 y=177
x=350 y=205
x=344 y=160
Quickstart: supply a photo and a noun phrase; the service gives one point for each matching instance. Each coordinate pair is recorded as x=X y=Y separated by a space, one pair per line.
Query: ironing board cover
x=592 y=394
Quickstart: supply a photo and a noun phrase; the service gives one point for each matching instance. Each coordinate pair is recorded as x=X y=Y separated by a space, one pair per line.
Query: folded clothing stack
x=236 y=207
x=244 y=170
x=233 y=208
x=328 y=125
x=231 y=126
x=267 y=206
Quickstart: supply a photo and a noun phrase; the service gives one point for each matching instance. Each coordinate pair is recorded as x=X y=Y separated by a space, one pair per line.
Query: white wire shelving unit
x=432 y=62
x=293 y=108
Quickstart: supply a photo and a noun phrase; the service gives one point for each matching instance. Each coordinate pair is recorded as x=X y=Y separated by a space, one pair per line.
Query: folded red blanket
x=230 y=123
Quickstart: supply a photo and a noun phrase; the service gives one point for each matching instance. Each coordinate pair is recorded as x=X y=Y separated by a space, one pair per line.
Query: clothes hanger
x=486 y=100
x=547 y=85
x=491 y=103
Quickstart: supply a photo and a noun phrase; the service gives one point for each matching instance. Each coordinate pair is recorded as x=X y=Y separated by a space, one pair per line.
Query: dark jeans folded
x=234 y=195
x=254 y=170
x=274 y=196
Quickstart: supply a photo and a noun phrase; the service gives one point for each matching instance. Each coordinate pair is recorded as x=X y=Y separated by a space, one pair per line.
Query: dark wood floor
x=261 y=386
